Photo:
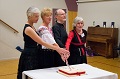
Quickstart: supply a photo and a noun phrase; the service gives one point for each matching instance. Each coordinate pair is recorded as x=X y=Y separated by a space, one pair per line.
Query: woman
x=76 y=42
x=45 y=33
x=30 y=57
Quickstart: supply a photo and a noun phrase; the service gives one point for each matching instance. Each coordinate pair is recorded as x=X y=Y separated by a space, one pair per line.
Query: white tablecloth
x=51 y=73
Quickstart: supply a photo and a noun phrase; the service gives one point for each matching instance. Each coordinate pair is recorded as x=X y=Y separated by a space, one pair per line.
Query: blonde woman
x=44 y=29
x=30 y=57
x=45 y=33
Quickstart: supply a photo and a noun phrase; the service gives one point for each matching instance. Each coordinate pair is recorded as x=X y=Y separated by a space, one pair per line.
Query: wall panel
x=71 y=16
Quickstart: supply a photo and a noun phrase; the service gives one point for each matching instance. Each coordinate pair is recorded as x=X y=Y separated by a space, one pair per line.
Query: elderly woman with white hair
x=76 y=42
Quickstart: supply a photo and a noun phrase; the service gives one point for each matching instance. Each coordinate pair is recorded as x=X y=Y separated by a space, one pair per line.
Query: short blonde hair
x=46 y=12
x=32 y=10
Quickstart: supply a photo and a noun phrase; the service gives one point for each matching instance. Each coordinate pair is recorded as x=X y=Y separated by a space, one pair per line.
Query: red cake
x=74 y=71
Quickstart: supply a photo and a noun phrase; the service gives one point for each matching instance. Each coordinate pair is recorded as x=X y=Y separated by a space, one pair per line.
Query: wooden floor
x=8 y=68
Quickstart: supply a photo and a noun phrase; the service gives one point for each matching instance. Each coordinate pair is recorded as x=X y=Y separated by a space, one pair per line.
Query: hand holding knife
x=68 y=64
x=64 y=58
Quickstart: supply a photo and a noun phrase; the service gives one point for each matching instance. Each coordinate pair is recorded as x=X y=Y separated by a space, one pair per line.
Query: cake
x=74 y=71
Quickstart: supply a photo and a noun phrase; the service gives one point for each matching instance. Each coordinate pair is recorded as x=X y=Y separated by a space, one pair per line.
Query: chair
x=116 y=49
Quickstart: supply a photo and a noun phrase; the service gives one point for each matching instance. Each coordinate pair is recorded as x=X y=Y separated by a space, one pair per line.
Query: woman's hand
x=64 y=57
x=62 y=51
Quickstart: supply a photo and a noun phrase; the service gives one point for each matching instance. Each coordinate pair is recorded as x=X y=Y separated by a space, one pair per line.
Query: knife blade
x=68 y=65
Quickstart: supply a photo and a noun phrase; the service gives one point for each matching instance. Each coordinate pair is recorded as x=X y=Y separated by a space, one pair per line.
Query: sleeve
x=85 y=32
x=69 y=39
x=48 y=38
x=39 y=31
x=57 y=36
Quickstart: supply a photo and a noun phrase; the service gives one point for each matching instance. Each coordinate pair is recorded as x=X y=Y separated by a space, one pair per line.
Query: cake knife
x=68 y=65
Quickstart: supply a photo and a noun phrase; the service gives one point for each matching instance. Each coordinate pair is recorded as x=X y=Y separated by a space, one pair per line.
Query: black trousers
x=47 y=58
x=57 y=60
x=77 y=57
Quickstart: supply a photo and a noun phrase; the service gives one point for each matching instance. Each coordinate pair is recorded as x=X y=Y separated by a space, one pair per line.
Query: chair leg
x=113 y=53
x=119 y=53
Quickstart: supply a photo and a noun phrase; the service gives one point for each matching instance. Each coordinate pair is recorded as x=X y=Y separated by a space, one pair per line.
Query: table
x=51 y=73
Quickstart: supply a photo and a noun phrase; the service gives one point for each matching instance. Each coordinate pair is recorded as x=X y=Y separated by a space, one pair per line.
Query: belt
x=46 y=50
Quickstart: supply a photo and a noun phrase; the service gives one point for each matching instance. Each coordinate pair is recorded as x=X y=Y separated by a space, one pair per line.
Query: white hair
x=32 y=10
x=76 y=20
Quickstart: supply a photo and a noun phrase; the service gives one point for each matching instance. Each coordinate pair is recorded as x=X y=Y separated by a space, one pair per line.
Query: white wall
x=13 y=12
x=100 y=11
